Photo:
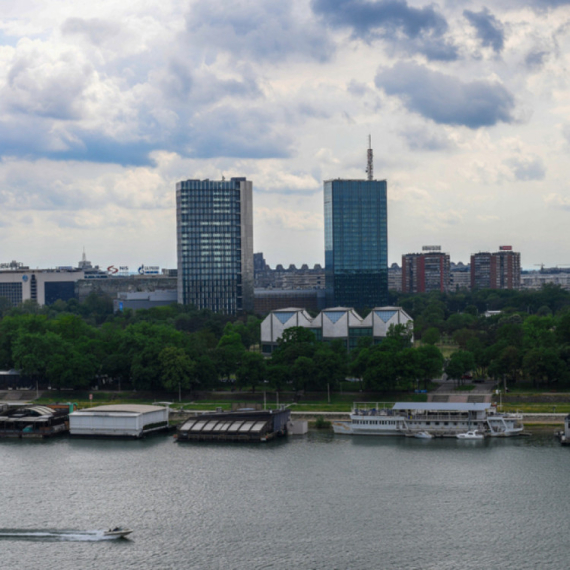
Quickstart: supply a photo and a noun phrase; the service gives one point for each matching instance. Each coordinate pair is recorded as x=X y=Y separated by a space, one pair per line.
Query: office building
x=499 y=270
x=356 y=241
x=19 y=283
x=215 y=244
x=426 y=271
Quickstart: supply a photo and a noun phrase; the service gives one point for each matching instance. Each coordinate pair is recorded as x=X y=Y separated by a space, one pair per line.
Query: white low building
x=122 y=420
x=336 y=323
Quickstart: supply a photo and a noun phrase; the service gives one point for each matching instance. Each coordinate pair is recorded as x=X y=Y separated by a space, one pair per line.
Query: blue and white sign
x=149 y=270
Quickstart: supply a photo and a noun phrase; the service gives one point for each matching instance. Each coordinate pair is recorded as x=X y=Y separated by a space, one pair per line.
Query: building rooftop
x=122 y=408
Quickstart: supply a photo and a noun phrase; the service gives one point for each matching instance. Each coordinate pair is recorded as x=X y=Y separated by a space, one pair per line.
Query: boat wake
x=46 y=535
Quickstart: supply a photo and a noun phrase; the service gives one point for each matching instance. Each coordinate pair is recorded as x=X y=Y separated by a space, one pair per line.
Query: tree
x=430 y=363
x=251 y=371
x=460 y=363
x=34 y=351
x=302 y=371
x=330 y=367
x=381 y=373
x=278 y=375
x=228 y=354
x=543 y=366
x=177 y=369
x=294 y=342
x=431 y=336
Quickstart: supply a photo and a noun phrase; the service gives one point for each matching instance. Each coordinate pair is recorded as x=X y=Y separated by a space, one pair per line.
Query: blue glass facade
x=356 y=243
x=215 y=244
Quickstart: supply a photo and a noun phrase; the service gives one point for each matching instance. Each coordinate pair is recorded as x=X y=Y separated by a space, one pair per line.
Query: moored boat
x=423 y=435
x=470 y=435
x=438 y=419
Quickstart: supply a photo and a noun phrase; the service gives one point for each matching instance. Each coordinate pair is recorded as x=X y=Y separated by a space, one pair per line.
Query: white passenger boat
x=438 y=419
x=470 y=435
x=117 y=532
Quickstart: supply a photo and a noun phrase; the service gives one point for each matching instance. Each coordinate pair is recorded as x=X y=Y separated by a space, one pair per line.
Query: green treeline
x=77 y=345
x=528 y=342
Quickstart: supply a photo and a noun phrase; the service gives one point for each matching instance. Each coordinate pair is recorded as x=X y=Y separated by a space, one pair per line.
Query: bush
x=321 y=423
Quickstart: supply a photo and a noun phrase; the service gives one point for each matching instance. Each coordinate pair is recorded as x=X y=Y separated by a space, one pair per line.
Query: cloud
x=289 y=219
x=94 y=30
x=526 y=169
x=535 y=59
x=446 y=99
x=409 y=29
x=557 y=202
x=53 y=84
x=420 y=138
x=489 y=30
x=259 y=30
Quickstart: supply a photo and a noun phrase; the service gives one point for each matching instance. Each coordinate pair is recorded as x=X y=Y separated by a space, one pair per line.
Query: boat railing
x=373 y=408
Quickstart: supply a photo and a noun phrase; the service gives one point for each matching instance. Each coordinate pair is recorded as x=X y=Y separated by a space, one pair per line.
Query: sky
x=105 y=105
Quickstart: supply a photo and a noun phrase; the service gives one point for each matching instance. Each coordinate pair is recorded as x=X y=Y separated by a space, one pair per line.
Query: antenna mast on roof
x=370 y=166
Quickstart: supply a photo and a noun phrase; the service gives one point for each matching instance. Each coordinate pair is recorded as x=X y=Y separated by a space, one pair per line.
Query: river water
x=315 y=502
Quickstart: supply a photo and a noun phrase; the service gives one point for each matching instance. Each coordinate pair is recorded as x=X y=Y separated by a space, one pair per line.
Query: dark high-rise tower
x=215 y=244
x=356 y=241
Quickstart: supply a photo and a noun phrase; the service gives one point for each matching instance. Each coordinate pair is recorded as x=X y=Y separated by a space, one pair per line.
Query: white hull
x=437 y=423
x=117 y=533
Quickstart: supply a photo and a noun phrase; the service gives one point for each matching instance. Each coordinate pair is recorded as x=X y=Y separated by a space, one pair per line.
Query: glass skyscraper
x=215 y=244
x=356 y=243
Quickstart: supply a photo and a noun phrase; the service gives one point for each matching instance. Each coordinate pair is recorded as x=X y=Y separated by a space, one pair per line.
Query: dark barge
x=241 y=425
x=33 y=421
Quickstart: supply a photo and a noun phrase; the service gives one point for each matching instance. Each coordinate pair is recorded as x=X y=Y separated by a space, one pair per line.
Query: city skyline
x=103 y=108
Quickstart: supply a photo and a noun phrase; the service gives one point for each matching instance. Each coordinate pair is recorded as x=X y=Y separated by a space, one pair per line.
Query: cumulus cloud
x=260 y=30
x=52 y=84
x=289 y=219
x=446 y=99
x=421 y=138
x=413 y=30
x=526 y=169
x=489 y=30
x=96 y=31
x=557 y=202
x=535 y=59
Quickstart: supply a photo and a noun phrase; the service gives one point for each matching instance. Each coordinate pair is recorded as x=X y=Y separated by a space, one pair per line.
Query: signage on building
x=506 y=248
x=122 y=270
x=149 y=270
x=431 y=248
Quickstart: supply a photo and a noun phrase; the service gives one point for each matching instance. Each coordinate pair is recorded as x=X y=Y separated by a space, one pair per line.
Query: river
x=315 y=502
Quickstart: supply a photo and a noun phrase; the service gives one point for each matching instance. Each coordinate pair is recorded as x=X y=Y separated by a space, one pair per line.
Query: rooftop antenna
x=370 y=166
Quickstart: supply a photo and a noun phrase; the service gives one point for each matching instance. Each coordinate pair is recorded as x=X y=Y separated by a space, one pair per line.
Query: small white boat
x=470 y=435
x=423 y=435
x=117 y=532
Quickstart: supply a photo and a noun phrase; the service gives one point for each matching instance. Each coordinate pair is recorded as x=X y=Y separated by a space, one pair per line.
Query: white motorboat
x=470 y=435
x=423 y=435
x=117 y=532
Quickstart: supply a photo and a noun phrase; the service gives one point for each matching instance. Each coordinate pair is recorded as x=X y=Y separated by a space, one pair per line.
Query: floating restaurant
x=33 y=421
x=437 y=418
x=241 y=425
x=119 y=420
